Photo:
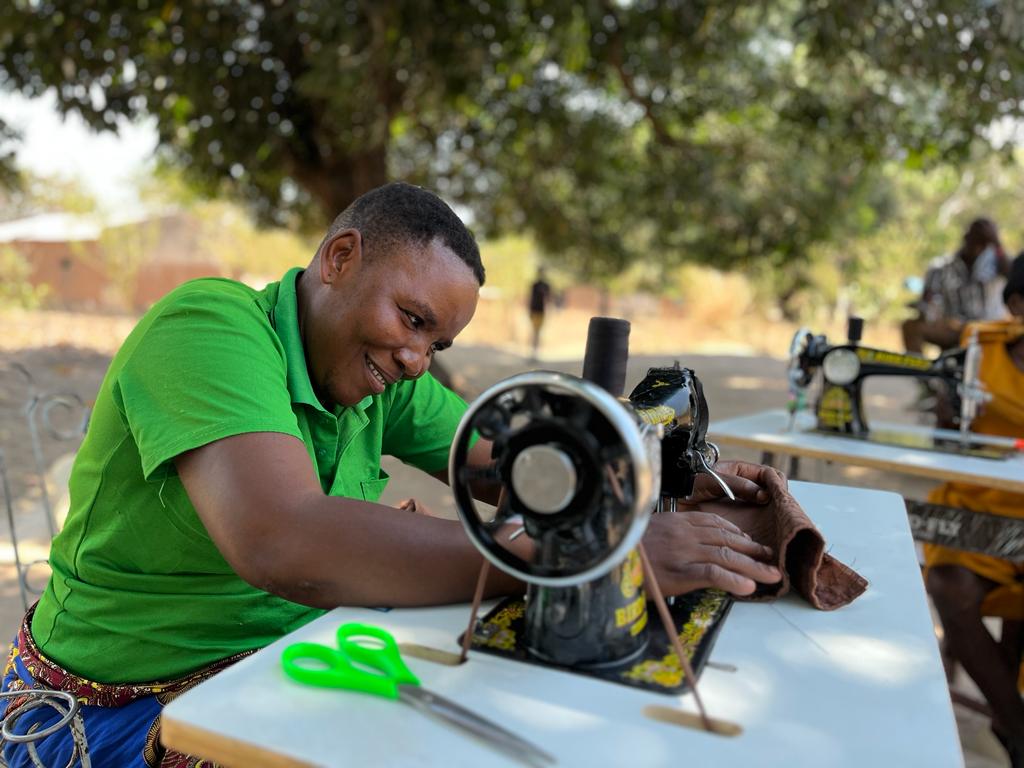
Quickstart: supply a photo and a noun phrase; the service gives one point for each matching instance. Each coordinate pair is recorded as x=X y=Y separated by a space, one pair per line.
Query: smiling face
x=369 y=323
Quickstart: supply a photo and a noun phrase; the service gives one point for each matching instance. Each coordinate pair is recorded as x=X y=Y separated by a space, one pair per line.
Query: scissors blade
x=450 y=712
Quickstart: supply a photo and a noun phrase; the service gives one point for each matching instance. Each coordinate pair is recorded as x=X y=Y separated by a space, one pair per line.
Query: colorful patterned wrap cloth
x=122 y=721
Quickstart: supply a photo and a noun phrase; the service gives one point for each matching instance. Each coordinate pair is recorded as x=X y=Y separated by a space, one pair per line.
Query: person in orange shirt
x=966 y=586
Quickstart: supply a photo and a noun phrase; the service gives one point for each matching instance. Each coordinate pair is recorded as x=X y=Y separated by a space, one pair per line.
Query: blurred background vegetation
x=785 y=159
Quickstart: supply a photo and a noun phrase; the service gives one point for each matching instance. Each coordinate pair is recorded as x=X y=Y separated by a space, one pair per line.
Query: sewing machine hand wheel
x=572 y=461
x=798 y=372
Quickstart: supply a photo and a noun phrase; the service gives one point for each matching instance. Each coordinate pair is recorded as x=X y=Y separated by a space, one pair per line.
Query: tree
x=733 y=133
x=16 y=289
x=9 y=180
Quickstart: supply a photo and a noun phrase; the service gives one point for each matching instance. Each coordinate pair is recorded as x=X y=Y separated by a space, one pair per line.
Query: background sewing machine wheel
x=573 y=462
x=799 y=373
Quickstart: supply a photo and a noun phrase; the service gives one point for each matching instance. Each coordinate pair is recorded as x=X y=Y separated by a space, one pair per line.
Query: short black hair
x=1015 y=282
x=400 y=213
x=982 y=230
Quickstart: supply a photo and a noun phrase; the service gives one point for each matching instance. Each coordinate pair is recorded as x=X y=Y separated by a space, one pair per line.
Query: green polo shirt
x=139 y=592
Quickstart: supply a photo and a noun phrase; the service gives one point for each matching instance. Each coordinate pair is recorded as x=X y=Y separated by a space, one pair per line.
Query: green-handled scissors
x=367 y=659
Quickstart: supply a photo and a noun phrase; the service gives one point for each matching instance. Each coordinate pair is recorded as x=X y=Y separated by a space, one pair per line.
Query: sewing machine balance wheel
x=798 y=372
x=572 y=461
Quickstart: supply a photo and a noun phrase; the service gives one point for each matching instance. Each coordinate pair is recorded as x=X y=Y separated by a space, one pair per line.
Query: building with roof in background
x=88 y=263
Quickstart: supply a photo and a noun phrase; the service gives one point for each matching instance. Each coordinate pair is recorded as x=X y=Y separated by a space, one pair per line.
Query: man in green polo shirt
x=226 y=491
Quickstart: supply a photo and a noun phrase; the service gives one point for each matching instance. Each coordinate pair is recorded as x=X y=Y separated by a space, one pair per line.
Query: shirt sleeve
x=206 y=368
x=932 y=282
x=935 y=305
x=421 y=423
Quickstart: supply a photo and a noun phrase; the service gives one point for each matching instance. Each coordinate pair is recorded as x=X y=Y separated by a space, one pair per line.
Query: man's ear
x=340 y=255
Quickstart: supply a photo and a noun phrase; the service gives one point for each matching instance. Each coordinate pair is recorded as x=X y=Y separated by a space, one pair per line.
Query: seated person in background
x=225 y=493
x=1013 y=296
x=966 y=586
x=959 y=288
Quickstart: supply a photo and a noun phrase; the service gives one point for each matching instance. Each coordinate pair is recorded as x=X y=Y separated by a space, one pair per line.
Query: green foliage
x=728 y=133
x=256 y=254
x=122 y=251
x=16 y=289
x=511 y=263
x=226 y=234
x=24 y=194
x=57 y=194
x=924 y=216
x=8 y=173
x=940 y=71
x=714 y=298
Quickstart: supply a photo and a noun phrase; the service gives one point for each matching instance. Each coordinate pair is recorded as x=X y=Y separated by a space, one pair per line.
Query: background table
x=859 y=686
x=769 y=431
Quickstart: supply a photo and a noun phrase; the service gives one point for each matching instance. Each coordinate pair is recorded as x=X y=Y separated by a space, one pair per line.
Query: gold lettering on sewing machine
x=638 y=627
x=893 y=358
x=631 y=612
x=658 y=414
x=632 y=575
x=835 y=409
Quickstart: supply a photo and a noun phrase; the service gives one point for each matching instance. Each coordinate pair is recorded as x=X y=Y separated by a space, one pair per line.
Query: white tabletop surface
x=860 y=686
x=770 y=431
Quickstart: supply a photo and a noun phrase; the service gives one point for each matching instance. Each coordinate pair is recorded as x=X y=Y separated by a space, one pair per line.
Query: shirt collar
x=286 y=321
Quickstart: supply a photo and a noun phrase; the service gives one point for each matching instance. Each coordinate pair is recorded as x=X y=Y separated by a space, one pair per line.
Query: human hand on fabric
x=782 y=525
x=747 y=481
x=692 y=550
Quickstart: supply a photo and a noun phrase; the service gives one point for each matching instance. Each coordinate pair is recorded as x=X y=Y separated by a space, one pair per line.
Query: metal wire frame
x=65 y=704
x=40 y=410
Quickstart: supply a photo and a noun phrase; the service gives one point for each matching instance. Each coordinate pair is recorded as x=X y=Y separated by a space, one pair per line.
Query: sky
x=52 y=145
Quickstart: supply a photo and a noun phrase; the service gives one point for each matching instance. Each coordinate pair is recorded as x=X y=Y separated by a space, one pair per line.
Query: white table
x=770 y=431
x=860 y=686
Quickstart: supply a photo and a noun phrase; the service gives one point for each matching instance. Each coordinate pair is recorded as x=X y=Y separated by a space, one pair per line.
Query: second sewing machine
x=839 y=408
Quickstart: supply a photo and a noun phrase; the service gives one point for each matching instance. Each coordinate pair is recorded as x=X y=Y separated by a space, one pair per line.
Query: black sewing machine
x=582 y=469
x=844 y=367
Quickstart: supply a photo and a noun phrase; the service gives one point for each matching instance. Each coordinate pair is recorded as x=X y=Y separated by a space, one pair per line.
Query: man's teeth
x=377 y=373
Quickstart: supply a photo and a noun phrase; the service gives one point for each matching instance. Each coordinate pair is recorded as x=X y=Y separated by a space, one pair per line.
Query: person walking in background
x=540 y=295
x=959 y=288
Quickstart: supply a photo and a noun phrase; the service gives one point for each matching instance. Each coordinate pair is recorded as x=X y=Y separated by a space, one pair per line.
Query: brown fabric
x=799 y=548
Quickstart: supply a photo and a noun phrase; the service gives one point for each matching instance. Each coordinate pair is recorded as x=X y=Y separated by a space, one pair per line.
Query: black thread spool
x=854 y=329
x=579 y=626
x=607 y=353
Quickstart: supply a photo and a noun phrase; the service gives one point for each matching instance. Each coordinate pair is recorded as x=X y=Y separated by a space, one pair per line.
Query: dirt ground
x=736 y=381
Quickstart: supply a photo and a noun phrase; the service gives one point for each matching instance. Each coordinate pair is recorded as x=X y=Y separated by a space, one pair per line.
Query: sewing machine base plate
x=929 y=442
x=697 y=616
